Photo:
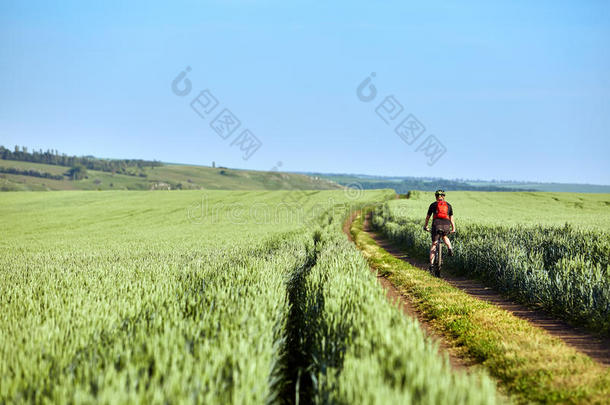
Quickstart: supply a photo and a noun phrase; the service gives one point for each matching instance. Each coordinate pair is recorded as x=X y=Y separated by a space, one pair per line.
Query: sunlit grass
x=530 y=364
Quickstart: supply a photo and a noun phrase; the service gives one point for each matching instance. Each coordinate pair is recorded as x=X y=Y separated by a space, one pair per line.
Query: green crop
x=562 y=267
x=236 y=297
x=361 y=349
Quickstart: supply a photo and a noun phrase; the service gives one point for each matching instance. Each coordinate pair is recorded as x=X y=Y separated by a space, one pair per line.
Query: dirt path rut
x=595 y=347
x=395 y=296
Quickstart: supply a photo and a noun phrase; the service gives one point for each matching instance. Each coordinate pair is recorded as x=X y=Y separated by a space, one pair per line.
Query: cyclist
x=442 y=224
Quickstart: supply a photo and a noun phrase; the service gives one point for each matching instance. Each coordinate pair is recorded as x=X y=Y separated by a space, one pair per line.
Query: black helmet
x=440 y=191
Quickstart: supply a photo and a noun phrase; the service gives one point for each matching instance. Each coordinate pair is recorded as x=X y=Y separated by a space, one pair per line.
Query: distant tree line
x=404 y=186
x=132 y=167
x=30 y=172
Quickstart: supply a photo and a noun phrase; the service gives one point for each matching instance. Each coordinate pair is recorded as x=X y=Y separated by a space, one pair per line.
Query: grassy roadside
x=531 y=365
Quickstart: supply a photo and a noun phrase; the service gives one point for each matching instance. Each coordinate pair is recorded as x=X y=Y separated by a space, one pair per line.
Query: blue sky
x=512 y=90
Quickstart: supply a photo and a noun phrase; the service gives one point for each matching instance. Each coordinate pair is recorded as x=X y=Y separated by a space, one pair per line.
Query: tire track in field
x=404 y=304
x=297 y=383
x=598 y=348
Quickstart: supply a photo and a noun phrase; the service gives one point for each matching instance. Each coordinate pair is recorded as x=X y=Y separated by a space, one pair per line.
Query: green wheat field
x=257 y=296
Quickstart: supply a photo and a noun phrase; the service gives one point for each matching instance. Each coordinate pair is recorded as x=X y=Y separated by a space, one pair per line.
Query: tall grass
x=363 y=350
x=118 y=298
x=562 y=268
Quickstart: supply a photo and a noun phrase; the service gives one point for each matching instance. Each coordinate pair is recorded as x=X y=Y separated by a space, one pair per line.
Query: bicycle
x=437 y=263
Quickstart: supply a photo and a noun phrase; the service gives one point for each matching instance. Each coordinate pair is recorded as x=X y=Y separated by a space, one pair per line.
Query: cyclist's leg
x=447 y=241
x=446 y=231
x=439 y=254
x=433 y=247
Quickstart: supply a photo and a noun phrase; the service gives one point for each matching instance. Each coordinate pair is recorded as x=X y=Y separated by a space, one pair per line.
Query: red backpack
x=442 y=210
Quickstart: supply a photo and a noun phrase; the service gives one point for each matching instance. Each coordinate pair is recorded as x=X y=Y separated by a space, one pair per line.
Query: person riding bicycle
x=442 y=223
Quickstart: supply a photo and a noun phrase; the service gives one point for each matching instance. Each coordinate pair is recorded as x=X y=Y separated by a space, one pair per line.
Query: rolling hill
x=167 y=176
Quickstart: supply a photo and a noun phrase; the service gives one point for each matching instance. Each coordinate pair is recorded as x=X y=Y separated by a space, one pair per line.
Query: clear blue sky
x=514 y=90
